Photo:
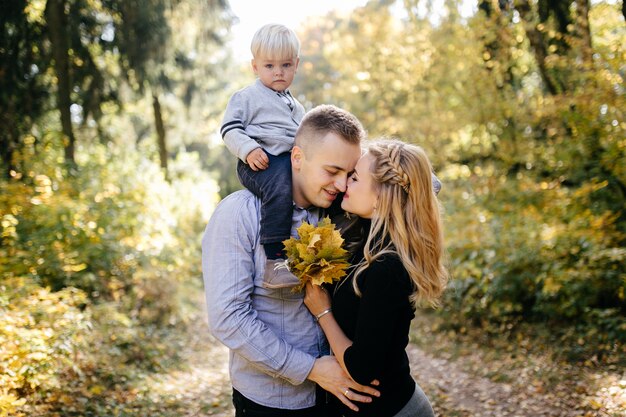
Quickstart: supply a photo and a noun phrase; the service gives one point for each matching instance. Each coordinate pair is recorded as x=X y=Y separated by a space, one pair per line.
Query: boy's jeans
x=273 y=187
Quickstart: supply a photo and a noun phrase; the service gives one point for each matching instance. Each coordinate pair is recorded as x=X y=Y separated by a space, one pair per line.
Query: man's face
x=276 y=74
x=320 y=173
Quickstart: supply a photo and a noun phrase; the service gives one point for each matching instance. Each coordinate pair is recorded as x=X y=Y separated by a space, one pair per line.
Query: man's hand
x=258 y=160
x=327 y=373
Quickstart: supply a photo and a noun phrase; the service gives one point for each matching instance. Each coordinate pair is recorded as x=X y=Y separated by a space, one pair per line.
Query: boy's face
x=276 y=74
x=320 y=173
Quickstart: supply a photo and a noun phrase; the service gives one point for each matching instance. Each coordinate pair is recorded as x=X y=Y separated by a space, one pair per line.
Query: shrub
x=91 y=266
x=527 y=251
x=42 y=333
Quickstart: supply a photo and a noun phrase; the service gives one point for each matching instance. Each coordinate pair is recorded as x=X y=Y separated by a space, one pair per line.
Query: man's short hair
x=324 y=119
x=275 y=41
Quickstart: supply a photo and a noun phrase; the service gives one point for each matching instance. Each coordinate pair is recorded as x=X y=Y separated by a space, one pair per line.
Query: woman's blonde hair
x=275 y=41
x=408 y=212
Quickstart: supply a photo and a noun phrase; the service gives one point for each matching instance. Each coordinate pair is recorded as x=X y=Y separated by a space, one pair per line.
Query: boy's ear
x=297 y=63
x=296 y=157
x=253 y=63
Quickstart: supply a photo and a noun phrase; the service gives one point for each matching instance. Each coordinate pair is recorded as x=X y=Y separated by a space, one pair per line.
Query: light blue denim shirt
x=272 y=337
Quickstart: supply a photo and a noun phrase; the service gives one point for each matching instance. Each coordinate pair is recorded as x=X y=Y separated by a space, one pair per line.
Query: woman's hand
x=316 y=299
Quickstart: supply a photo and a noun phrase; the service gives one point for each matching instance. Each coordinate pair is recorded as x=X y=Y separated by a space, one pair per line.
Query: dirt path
x=454 y=392
x=201 y=387
x=484 y=382
x=454 y=385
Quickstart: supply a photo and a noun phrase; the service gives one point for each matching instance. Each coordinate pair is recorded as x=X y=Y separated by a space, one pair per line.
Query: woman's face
x=361 y=197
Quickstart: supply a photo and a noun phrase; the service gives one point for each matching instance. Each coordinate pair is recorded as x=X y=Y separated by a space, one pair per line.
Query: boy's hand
x=258 y=160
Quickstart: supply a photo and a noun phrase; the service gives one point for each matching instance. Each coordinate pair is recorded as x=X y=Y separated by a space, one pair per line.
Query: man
x=276 y=347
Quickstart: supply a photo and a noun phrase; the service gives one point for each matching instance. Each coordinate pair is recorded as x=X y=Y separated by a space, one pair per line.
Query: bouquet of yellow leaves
x=317 y=256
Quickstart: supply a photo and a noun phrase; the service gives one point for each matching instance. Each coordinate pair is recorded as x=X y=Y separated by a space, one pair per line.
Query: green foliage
x=536 y=254
x=534 y=251
x=98 y=54
x=95 y=230
x=223 y=165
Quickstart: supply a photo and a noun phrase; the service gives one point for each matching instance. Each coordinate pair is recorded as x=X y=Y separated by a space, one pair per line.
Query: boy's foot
x=277 y=275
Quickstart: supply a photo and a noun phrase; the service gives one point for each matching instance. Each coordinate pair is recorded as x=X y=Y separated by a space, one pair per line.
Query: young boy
x=259 y=127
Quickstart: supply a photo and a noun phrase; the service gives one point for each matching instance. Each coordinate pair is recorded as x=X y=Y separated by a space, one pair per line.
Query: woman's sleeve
x=384 y=296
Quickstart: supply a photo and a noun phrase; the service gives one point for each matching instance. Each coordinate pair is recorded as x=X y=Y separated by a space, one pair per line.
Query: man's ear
x=296 y=157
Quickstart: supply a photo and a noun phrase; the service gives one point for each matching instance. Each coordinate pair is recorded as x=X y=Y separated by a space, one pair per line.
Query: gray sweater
x=257 y=117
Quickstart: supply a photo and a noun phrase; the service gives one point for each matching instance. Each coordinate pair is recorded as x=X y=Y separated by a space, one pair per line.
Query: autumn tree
x=88 y=44
x=23 y=95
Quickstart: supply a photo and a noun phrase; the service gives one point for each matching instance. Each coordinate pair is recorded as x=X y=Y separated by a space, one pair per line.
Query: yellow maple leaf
x=314 y=239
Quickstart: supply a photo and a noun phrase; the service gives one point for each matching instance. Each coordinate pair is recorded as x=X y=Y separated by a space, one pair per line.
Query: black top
x=378 y=324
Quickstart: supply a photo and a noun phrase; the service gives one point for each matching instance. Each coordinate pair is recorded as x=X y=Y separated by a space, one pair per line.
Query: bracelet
x=323 y=313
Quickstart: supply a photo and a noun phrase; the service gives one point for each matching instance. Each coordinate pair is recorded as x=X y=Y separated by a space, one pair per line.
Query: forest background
x=111 y=164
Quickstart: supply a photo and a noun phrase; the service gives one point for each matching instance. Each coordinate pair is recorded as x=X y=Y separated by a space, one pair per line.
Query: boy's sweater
x=257 y=116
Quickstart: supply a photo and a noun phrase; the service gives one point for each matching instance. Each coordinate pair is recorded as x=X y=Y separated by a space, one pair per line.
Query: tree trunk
x=7 y=146
x=9 y=138
x=57 y=23
x=160 y=129
x=582 y=10
x=538 y=45
x=499 y=49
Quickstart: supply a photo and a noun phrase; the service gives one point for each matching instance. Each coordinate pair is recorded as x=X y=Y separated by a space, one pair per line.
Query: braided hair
x=407 y=219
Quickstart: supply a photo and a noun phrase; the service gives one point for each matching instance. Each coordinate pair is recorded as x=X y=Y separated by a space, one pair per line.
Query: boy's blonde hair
x=275 y=41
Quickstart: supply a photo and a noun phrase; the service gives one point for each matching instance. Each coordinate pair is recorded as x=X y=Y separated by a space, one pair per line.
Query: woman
x=400 y=265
